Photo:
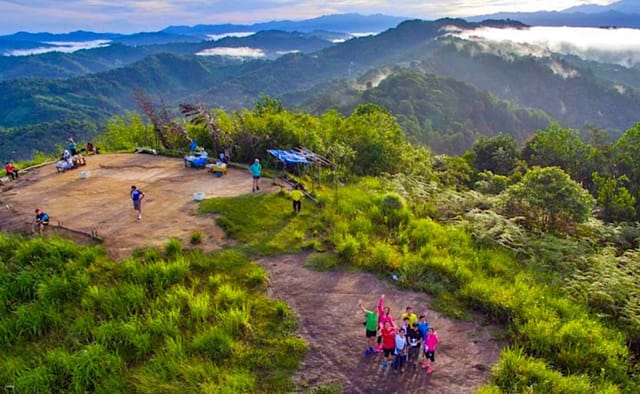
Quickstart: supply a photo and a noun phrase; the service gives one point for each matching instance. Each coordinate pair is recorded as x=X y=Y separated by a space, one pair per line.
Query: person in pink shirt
x=430 y=343
x=384 y=316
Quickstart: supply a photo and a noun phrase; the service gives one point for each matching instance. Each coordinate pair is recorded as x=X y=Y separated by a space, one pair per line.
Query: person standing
x=71 y=146
x=11 y=170
x=371 y=328
x=384 y=316
x=296 y=196
x=137 y=196
x=430 y=343
x=388 y=334
x=415 y=343
x=256 y=172
x=400 y=351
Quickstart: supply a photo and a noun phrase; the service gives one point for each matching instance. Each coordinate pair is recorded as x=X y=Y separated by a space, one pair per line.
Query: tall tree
x=548 y=198
x=497 y=154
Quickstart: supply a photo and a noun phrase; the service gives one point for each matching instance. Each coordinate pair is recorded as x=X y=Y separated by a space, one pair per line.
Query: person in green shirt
x=296 y=196
x=371 y=328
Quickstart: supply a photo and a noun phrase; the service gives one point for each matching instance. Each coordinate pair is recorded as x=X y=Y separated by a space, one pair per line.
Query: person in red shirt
x=388 y=333
x=11 y=170
x=384 y=316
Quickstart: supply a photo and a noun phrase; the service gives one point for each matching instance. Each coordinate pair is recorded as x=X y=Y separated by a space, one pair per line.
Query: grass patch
x=264 y=223
x=72 y=320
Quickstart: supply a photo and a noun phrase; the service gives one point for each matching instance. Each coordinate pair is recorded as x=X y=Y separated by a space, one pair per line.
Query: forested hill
x=445 y=114
x=569 y=92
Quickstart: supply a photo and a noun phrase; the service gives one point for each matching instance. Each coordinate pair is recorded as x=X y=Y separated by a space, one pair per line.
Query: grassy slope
x=558 y=346
x=72 y=320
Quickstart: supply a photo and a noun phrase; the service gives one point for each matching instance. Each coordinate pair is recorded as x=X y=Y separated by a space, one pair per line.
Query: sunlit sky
x=127 y=16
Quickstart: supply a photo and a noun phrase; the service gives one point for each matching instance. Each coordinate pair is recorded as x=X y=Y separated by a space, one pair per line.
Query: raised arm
x=380 y=305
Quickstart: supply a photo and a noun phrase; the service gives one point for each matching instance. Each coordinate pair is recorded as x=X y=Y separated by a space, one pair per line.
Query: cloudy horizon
x=129 y=16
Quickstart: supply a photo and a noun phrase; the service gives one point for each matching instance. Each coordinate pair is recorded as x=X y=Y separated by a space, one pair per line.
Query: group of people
x=71 y=157
x=401 y=345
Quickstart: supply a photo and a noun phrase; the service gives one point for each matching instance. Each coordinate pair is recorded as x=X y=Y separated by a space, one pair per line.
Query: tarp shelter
x=288 y=156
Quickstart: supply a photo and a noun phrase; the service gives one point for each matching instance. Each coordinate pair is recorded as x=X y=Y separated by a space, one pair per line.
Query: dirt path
x=326 y=304
x=101 y=201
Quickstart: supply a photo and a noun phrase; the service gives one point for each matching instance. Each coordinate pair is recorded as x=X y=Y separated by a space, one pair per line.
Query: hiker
x=423 y=325
x=92 y=149
x=384 y=316
x=430 y=344
x=71 y=146
x=11 y=170
x=408 y=313
x=65 y=163
x=296 y=196
x=388 y=335
x=256 y=172
x=137 y=196
x=42 y=220
x=400 y=350
x=415 y=340
x=370 y=328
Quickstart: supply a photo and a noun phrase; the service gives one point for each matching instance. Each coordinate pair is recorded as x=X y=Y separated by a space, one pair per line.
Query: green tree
x=626 y=152
x=126 y=132
x=562 y=148
x=497 y=154
x=617 y=202
x=548 y=198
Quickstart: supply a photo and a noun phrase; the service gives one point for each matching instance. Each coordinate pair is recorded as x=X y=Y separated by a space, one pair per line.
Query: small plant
x=196 y=238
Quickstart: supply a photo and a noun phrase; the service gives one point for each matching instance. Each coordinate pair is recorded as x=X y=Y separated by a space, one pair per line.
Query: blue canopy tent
x=288 y=156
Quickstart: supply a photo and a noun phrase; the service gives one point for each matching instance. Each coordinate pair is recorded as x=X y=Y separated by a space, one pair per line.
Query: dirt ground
x=327 y=306
x=101 y=201
x=326 y=302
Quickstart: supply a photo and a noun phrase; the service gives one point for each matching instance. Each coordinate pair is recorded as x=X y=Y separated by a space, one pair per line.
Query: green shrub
x=173 y=249
x=97 y=370
x=196 y=238
x=215 y=343
x=322 y=261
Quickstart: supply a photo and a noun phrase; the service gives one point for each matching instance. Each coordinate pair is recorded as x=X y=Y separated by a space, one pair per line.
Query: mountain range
x=623 y=13
x=446 y=91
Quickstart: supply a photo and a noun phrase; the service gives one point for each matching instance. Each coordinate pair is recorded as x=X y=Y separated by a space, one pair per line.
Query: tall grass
x=478 y=260
x=74 y=321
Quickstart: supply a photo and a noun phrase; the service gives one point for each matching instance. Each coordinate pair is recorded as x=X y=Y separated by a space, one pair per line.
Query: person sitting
x=223 y=158
x=11 y=170
x=42 y=220
x=78 y=160
x=199 y=160
x=65 y=163
x=92 y=149
x=220 y=168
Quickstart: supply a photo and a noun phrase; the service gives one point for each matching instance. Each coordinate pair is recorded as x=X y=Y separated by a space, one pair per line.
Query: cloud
x=59 y=46
x=242 y=52
x=618 y=46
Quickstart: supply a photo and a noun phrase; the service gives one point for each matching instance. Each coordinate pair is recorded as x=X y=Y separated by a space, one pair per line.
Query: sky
x=129 y=16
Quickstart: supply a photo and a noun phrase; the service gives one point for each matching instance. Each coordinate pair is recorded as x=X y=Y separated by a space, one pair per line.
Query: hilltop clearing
x=101 y=201
x=324 y=302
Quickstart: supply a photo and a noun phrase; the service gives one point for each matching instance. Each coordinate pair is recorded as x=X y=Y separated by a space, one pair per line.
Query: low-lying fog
x=618 y=46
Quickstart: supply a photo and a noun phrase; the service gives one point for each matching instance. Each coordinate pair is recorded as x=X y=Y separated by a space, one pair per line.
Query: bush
x=215 y=343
